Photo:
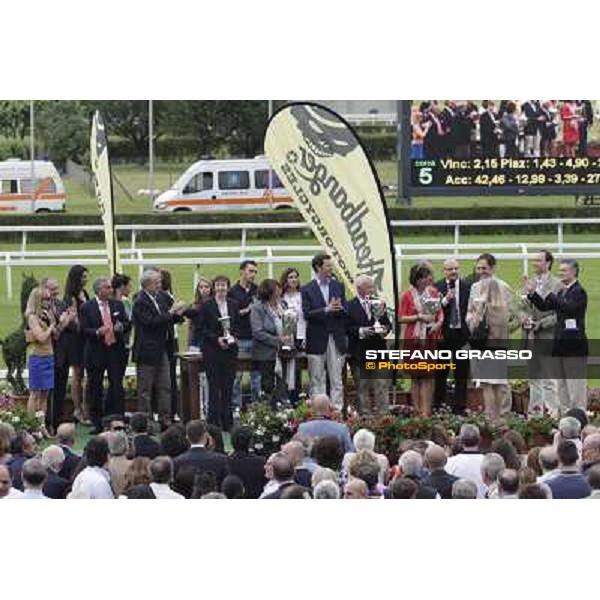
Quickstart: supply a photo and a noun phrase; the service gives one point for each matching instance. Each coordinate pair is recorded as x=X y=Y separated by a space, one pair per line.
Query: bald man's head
x=356 y=489
x=451 y=269
x=294 y=450
x=591 y=448
x=321 y=404
x=435 y=457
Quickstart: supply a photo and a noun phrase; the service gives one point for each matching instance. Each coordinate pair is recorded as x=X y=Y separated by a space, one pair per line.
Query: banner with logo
x=104 y=192
x=323 y=165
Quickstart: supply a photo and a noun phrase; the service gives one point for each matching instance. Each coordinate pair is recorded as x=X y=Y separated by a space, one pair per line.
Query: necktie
x=454 y=314
x=109 y=336
x=367 y=308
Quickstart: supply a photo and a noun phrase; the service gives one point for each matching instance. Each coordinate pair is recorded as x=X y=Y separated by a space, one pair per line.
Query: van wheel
x=41 y=211
x=283 y=207
x=181 y=209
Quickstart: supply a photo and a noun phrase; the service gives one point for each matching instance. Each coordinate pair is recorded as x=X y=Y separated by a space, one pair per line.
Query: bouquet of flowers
x=15 y=414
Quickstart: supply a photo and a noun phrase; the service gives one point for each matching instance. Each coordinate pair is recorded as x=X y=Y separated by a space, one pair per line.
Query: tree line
x=206 y=127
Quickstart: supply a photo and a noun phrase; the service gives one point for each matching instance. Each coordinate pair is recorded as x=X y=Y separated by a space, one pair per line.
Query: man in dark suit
x=103 y=324
x=65 y=436
x=362 y=336
x=439 y=478
x=411 y=466
x=324 y=305
x=151 y=320
x=143 y=444
x=250 y=468
x=55 y=486
x=532 y=111
x=455 y=301
x=570 y=345
x=488 y=128
x=199 y=456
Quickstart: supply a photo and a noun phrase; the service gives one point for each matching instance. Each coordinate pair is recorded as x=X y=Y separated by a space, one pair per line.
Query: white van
x=225 y=185
x=18 y=193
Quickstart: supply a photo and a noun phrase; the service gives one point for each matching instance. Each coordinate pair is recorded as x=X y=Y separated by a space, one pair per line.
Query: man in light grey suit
x=322 y=425
x=537 y=329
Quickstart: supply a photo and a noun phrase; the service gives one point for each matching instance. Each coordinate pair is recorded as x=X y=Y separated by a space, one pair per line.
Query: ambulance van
x=219 y=185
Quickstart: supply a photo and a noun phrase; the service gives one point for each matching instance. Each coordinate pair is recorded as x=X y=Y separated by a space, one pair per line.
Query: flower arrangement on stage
x=274 y=427
x=15 y=414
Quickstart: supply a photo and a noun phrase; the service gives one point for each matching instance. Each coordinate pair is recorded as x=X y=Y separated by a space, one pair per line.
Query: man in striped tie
x=104 y=322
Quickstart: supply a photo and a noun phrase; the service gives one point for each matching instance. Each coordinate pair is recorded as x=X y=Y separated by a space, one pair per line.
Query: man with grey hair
x=104 y=322
x=368 y=325
x=55 y=486
x=467 y=463
x=570 y=346
x=356 y=489
x=295 y=452
x=464 y=489
x=491 y=467
x=411 y=467
x=151 y=321
x=34 y=476
x=569 y=428
x=590 y=453
x=118 y=463
x=365 y=440
x=326 y=490
x=548 y=461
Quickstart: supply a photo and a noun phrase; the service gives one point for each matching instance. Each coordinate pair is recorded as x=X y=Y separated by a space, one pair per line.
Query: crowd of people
x=279 y=321
x=531 y=128
x=322 y=461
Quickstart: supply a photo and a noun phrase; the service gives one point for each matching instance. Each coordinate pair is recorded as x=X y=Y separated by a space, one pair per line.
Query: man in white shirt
x=94 y=481
x=161 y=470
x=7 y=491
x=467 y=464
x=34 y=476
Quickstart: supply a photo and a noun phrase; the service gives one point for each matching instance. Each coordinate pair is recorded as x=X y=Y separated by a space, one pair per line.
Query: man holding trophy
x=368 y=325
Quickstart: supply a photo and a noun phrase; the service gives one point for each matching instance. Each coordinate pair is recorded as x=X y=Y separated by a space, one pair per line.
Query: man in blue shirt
x=322 y=425
x=568 y=483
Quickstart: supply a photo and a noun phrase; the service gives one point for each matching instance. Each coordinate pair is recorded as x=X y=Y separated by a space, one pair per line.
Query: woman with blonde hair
x=41 y=325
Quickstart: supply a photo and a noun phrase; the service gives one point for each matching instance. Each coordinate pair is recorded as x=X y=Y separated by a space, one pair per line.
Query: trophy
x=289 y=319
x=431 y=304
x=377 y=310
x=226 y=326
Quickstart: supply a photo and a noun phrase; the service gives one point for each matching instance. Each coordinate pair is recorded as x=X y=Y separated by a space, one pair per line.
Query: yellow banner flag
x=104 y=192
x=322 y=163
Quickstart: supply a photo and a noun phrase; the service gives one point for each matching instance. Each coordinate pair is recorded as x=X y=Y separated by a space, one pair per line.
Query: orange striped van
x=30 y=188
x=244 y=184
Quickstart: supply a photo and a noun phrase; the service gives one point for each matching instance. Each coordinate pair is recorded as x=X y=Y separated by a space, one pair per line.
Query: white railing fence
x=272 y=255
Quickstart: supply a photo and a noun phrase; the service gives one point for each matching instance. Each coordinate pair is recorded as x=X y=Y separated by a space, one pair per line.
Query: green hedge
x=380 y=146
x=13 y=148
x=287 y=216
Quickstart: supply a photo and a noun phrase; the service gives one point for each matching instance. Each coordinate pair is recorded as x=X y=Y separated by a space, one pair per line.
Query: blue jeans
x=245 y=346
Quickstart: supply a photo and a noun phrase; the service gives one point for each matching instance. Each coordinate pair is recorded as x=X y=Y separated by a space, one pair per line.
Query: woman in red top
x=568 y=114
x=421 y=316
